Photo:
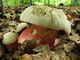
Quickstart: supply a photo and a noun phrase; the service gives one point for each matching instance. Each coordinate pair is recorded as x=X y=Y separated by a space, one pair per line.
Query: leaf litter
x=67 y=47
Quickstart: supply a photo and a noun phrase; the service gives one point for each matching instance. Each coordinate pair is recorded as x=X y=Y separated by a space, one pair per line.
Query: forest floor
x=68 y=47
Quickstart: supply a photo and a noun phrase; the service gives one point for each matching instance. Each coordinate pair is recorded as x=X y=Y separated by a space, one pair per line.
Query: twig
x=2 y=7
x=31 y=3
x=48 y=2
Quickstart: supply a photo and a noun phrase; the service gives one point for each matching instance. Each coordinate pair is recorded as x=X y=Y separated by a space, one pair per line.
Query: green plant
x=13 y=3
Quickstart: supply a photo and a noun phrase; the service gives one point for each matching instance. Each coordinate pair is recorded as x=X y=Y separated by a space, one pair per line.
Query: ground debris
x=75 y=37
x=67 y=47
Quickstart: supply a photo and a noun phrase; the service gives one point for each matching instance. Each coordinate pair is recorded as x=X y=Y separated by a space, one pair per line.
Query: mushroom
x=45 y=23
x=21 y=26
x=9 y=40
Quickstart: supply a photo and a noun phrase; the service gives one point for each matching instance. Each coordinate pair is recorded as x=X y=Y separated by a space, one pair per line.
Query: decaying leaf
x=42 y=48
x=2 y=22
x=78 y=26
x=26 y=57
x=12 y=23
x=1 y=35
x=75 y=37
x=39 y=56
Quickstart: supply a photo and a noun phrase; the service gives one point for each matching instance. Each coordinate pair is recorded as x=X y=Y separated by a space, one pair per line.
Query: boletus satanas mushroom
x=44 y=22
x=10 y=40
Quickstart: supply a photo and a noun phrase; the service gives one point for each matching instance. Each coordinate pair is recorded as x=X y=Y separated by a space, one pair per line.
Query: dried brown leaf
x=75 y=37
x=78 y=26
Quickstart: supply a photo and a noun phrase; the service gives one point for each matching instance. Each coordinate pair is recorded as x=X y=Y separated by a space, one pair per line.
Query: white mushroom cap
x=9 y=38
x=21 y=26
x=47 y=17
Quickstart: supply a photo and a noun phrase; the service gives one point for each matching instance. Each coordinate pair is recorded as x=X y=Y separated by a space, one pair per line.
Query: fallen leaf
x=75 y=37
x=78 y=26
x=26 y=57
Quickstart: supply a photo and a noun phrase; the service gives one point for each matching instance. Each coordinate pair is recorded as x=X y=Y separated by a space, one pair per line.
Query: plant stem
x=31 y=2
x=48 y=2
x=2 y=7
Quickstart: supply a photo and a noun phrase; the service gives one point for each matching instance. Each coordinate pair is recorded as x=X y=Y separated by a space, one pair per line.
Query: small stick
x=2 y=7
x=48 y=2
x=31 y=3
